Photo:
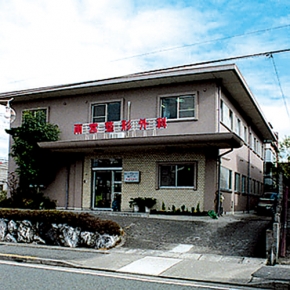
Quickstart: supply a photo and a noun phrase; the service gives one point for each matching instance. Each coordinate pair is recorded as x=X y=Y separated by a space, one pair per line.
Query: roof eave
x=217 y=140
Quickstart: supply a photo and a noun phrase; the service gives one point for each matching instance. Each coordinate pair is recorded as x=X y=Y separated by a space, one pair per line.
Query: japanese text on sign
x=121 y=126
x=131 y=176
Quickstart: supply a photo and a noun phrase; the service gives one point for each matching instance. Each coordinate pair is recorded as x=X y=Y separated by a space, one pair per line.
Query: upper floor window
x=255 y=144
x=40 y=113
x=106 y=112
x=238 y=127
x=269 y=155
x=226 y=115
x=179 y=107
x=245 y=134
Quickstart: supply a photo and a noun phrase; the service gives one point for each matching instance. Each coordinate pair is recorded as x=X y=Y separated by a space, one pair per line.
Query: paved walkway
x=178 y=263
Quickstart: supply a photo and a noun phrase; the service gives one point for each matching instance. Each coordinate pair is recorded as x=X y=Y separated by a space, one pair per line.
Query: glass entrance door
x=107 y=186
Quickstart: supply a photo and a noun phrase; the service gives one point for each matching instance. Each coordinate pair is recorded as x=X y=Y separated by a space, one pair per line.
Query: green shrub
x=29 y=200
x=86 y=221
x=3 y=195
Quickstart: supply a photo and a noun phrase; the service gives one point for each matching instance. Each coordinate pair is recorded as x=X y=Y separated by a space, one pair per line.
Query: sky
x=52 y=42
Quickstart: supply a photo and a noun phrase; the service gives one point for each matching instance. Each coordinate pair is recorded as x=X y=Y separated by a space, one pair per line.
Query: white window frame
x=177 y=96
x=34 y=110
x=227 y=116
x=106 y=110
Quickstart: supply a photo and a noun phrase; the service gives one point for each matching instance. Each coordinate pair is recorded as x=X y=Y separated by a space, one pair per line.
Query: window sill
x=177 y=187
x=181 y=120
x=226 y=190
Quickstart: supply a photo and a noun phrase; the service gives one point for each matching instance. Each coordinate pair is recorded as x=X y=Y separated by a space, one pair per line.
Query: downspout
x=129 y=111
x=67 y=186
x=219 y=180
x=249 y=168
x=219 y=109
x=128 y=116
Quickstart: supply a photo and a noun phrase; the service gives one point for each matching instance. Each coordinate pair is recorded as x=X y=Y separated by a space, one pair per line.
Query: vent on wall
x=116 y=135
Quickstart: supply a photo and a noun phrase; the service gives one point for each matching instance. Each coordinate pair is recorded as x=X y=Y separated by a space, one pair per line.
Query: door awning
x=214 y=140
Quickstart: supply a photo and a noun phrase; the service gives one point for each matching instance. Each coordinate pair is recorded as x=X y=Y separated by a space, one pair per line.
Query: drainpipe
x=249 y=168
x=129 y=110
x=67 y=186
x=219 y=180
x=219 y=109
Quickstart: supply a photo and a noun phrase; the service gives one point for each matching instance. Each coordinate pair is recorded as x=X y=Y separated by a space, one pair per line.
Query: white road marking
x=181 y=248
x=150 y=265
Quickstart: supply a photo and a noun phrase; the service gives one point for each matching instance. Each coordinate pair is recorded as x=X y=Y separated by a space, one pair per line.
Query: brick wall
x=146 y=163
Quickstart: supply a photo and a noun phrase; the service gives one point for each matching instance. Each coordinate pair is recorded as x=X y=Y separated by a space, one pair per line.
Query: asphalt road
x=35 y=277
x=231 y=235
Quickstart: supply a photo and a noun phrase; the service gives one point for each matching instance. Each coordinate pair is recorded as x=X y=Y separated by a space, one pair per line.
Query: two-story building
x=184 y=136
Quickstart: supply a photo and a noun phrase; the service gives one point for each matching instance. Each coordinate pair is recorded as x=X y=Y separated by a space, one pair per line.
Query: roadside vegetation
x=34 y=165
x=86 y=221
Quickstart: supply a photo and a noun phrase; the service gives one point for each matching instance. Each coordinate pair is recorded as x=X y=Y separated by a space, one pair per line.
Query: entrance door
x=107 y=186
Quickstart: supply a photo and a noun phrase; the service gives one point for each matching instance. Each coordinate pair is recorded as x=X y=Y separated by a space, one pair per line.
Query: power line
x=279 y=84
x=267 y=54
x=202 y=42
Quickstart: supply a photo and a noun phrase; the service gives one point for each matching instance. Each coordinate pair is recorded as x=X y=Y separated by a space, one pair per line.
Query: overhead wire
x=199 y=43
x=267 y=53
x=279 y=84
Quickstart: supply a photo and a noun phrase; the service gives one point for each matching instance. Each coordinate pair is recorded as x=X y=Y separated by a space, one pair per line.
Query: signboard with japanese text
x=121 y=126
x=132 y=176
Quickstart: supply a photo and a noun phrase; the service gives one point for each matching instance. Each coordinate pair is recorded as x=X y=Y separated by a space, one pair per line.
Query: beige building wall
x=239 y=159
x=67 y=187
x=148 y=186
x=67 y=111
x=72 y=187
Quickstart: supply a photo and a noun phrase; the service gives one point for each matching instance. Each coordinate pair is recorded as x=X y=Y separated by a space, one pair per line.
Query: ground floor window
x=177 y=175
x=226 y=178
x=244 y=184
x=237 y=182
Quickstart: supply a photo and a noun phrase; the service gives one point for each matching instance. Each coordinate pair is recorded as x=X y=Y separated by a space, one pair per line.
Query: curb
x=36 y=260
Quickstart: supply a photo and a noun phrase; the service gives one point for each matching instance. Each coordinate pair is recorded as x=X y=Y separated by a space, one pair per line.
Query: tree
x=33 y=163
x=284 y=156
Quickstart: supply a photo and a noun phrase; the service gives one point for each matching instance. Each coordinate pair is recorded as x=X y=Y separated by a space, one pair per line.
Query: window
x=259 y=148
x=226 y=179
x=107 y=163
x=253 y=186
x=251 y=141
x=106 y=112
x=244 y=184
x=238 y=127
x=255 y=144
x=177 y=175
x=245 y=134
x=226 y=115
x=237 y=182
x=179 y=107
x=231 y=120
x=40 y=113
x=250 y=185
